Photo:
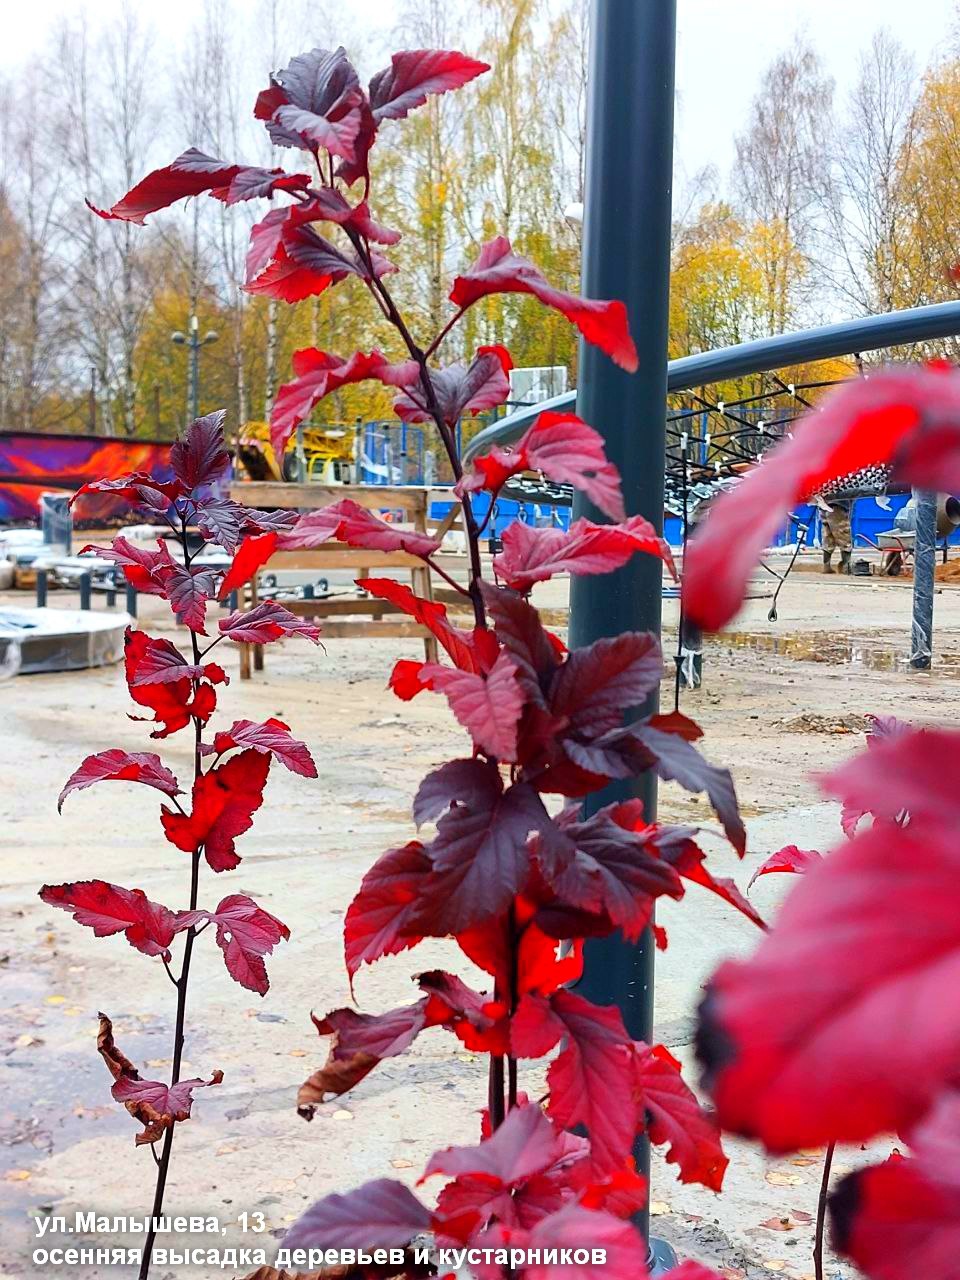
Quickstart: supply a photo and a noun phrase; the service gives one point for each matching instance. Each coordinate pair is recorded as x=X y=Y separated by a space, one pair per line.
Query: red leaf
x=318 y=373
x=470 y=652
x=591 y=1079
x=893 y=777
x=173 y=702
x=414 y=75
x=499 y=270
x=901 y=415
x=487 y=706
x=676 y=1117
x=459 y=390
x=224 y=521
x=273 y=738
x=121 y=766
x=253 y=554
x=595 y=686
x=193 y=173
x=315 y=102
x=138 y=489
x=525 y=1143
x=904 y=1214
x=566 y=450
x=787 y=859
x=329 y=205
x=142 y=569
x=796 y=1040
x=201 y=456
x=346 y=521
x=381 y=1214
x=584 y=1230
x=481 y=855
x=615 y=873
x=405 y=84
x=155 y=1105
x=187 y=589
x=224 y=802
x=265 y=622
x=677 y=722
x=532 y=555
x=377 y=919
x=245 y=934
x=361 y=1040
x=108 y=909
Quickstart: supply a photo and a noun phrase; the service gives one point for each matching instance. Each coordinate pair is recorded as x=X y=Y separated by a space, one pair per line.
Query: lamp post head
x=178 y=337
x=210 y=336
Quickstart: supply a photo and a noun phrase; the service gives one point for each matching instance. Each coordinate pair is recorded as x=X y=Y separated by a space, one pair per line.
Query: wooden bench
x=343 y=617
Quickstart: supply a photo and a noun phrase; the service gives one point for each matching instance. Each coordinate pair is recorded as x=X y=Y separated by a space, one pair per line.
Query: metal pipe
x=847 y=337
x=924 y=561
x=626 y=255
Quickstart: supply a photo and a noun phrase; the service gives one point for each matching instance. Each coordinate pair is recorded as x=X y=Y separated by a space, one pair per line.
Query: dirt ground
x=779 y=701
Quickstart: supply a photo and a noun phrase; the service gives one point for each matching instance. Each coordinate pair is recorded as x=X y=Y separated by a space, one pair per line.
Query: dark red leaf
x=615 y=873
x=499 y=270
x=193 y=173
x=487 y=706
x=796 y=1041
x=318 y=373
x=787 y=859
x=314 y=102
x=361 y=1040
x=532 y=554
x=142 y=569
x=377 y=920
x=155 y=1105
x=121 y=766
x=677 y=722
x=456 y=782
x=187 y=589
x=381 y=1214
x=346 y=521
x=252 y=555
x=138 y=489
x=224 y=802
x=481 y=854
x=108 y=909
x=903 y=415
x=415 y=74
x=329 y=205
x=159 y=661
x=566 y=450
x=265 y=622
x=272 y=737
x=597 y=684
x=904 y=1214
x=245 y=934
x=518 y=627
x=676 y=1117
x=459 y=390
x=201 y=456
x=476 y=651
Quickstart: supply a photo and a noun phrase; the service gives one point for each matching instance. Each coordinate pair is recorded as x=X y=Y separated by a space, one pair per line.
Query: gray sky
x=723 y=47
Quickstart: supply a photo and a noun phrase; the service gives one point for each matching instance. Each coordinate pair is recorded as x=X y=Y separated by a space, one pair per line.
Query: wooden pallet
x=351 y=617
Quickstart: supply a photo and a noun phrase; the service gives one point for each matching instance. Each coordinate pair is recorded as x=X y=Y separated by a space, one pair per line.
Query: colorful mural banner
x=32 y=463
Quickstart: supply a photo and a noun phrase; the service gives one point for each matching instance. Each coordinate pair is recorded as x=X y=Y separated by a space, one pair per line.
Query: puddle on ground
x=835 y=649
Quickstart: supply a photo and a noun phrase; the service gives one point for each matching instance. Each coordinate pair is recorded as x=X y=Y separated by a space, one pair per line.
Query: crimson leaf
x=377 y=920
x=565 y=450
x=380 y=1214
x=499 y=270
x=265 y=622
x=273 y=738
x=459 y=390
x=314 y=102
x=533 y=554
x=121 y=766
x=224 y=802
x=108 y=909
x=346 y=521
x=245 y=934
x=676 y=1117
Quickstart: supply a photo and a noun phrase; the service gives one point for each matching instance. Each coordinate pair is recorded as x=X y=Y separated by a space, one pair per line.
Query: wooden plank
x=336 y=556
x=400 y=628
x=348 y=607
x=272 y=493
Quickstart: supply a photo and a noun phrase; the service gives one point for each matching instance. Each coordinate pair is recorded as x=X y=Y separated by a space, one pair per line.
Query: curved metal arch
x=846 y=337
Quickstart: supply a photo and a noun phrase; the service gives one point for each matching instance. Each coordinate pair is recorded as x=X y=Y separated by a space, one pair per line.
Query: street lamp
x=194 y=342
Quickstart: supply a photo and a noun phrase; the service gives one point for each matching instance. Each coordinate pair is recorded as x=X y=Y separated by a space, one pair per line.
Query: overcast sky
x=723 y=47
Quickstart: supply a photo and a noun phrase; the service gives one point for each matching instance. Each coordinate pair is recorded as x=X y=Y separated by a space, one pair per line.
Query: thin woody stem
x=163 y=1163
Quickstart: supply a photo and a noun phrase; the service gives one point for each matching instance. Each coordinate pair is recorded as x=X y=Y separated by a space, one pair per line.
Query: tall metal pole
x=194 y=340
x=626 y=255
x=924 y=562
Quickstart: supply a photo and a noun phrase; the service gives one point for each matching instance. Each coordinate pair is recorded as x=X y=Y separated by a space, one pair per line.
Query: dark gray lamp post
x=626 y=255
x=193 y=342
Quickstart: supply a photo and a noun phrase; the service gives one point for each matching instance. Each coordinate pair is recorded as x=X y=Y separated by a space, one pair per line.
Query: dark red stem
x=822 y=1212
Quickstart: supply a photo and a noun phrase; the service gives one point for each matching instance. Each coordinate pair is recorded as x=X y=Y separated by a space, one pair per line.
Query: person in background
x=835 y=534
